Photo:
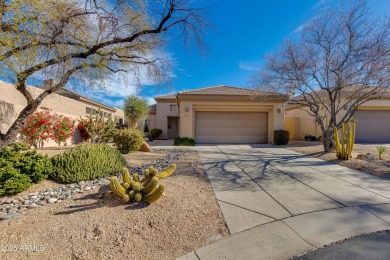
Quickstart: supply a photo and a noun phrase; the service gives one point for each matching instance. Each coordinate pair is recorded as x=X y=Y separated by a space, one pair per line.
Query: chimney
x=48 y=83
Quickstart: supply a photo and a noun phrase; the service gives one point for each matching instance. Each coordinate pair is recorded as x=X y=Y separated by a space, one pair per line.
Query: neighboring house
x=221 y=114
x=373 y=121
x=64 y=102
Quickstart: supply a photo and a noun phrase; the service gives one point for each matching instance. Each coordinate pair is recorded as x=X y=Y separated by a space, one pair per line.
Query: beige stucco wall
x=162 y=114
x=57 y=103
x=152 y=122
x=306 y=124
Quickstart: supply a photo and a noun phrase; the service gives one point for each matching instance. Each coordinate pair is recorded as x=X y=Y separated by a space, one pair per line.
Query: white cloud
x=249 y=65
x=150 y=100
x=320 y=3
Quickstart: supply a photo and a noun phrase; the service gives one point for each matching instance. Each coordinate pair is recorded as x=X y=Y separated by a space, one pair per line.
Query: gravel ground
x=84 y=227
x=371 y=165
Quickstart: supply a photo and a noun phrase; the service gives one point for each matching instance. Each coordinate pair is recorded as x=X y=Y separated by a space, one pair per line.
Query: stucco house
x=63 y=101
x=373 y=120
x=220 y=114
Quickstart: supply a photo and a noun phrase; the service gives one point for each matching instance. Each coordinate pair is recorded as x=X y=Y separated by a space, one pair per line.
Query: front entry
x=173 y=127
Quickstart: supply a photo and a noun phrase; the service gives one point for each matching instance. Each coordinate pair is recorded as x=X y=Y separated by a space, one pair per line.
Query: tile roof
x=226 y=90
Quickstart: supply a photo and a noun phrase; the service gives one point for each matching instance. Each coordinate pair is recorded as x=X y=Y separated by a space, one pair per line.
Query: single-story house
x=372 y=126
x=220 y=114
x=63 y=101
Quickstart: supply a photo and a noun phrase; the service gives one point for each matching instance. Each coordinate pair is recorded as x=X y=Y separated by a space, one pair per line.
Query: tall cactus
x=126 y=175
x=345 y=146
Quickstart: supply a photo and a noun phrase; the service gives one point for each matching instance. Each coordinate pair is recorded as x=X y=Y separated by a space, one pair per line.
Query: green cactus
x=136 y=186
x=153 y=172
x=167 y=172
x=155 y=195
x=136 y=177
x=126 y=185
x=344 y=146
x=125 y=175
x=138 y=197
x=116 y=187
x=146 y=173
x=150 y=186
x=126 y=198
x=131 y=194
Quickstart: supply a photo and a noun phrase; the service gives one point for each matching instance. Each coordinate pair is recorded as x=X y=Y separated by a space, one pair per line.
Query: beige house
x=64 y=102
x=219 y=115
x=373 y=121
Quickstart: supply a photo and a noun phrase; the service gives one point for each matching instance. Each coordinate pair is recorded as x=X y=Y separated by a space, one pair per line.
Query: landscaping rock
x=52 y=200
x=145 y=147
x=87 y=188
x=8 y=216
x=32 y=206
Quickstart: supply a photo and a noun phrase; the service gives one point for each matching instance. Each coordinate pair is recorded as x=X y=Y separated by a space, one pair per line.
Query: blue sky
x=244 y=31
x=243 y=34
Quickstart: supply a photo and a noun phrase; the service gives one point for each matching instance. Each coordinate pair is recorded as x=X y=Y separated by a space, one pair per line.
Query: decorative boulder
x=145 y=147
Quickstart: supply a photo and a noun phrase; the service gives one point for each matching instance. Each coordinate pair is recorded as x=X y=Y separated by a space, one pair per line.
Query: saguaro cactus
x=344 y=146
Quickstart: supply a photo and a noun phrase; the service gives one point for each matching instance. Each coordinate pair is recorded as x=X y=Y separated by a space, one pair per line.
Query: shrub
x=87 y=162
x=149 y=136
x=155 y=132
x=281 y=137
x=96 y=129
x=381 y=150
x=128 y=140
x=184 y=141
x=18 y=168
x=62 y=129
x=43 y=125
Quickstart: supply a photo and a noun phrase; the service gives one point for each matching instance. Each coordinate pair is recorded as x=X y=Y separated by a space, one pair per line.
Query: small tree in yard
x=136 y=110
x=341 y=61
x=85 y=41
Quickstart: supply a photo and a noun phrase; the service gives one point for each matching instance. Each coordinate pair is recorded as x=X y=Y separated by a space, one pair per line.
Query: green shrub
x=281 y=137
x=155 y=133
x=184 y=141
x=12 y=181
x=148 y=135
x=128 y=140
x=87 y=162
x=19 y=168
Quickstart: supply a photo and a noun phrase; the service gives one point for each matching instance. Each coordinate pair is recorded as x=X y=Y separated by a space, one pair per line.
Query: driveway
x=278 y=203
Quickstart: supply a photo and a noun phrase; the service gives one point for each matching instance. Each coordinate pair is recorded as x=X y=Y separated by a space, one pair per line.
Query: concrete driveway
x=278 y=204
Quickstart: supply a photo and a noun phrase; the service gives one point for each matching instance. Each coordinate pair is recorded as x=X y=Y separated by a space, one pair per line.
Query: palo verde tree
x=340 y=61
x=85 y=41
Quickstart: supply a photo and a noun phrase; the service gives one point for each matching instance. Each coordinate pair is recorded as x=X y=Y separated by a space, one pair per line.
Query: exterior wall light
x=186 y=109
x=279 y=109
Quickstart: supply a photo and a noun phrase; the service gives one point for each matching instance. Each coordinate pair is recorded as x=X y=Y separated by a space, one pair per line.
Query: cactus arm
x=167 y=172
x=116 y=187
x=150 y=186
x=126 y=175
x=155 y=195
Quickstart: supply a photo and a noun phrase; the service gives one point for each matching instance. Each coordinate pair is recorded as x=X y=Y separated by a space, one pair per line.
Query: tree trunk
x=327 y=140
x=16 y=127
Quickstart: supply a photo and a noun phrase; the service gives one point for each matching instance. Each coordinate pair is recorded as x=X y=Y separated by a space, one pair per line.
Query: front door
x=173 y=127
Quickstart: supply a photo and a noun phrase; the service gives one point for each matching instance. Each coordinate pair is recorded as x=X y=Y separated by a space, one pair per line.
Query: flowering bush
x=82 y=126
x=38 y=128
x=43 y=125
x=62 y=129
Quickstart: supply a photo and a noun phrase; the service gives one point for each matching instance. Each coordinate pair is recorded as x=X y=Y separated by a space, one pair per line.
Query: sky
x=243 y=32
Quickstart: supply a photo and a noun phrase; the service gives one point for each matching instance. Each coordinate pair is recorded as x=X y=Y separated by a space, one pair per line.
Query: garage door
x=231 y=127
x=372 y=126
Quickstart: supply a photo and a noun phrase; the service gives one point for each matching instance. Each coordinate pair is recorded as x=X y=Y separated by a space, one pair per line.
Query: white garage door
x=372 y=126
x=231 y=127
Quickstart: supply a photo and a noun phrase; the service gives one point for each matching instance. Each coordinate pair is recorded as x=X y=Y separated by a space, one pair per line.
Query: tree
x=136 y=110
x=85 y=41
x=340 y=61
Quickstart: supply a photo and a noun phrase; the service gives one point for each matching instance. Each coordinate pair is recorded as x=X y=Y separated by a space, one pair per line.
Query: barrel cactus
x=148 y=189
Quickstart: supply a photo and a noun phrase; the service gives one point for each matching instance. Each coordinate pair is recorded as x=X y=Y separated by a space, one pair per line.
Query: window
x=173 y=107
